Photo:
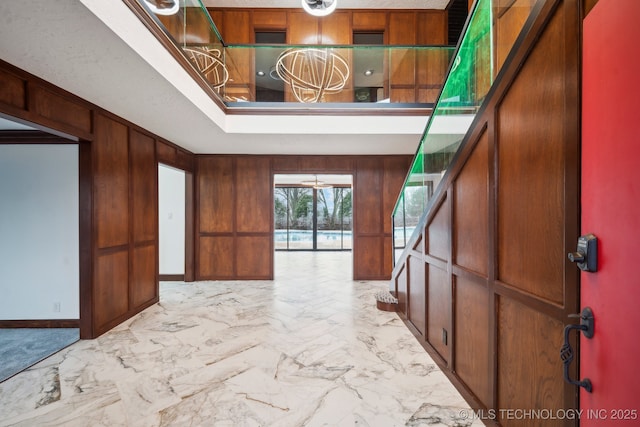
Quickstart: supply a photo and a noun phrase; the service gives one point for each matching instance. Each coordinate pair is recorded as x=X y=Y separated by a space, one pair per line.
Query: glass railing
x=363 y=76
x=489 y=35
x=187 y=22
x=315 y=74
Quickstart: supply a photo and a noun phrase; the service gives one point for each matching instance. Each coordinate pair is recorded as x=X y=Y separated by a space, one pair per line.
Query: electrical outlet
x=56 y=307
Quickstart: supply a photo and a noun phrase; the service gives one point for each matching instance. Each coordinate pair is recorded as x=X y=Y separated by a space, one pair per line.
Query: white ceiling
x=101 y=52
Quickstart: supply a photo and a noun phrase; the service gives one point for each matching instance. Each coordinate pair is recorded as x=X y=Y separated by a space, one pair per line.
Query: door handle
x=566 y=352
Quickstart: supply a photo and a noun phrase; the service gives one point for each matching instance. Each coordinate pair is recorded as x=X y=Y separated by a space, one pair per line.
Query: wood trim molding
x=171 y=277
x=40 y=323
x=87 y=236
x=320 y=110
x=31 y=137
x=189 y=225
x=587 y=5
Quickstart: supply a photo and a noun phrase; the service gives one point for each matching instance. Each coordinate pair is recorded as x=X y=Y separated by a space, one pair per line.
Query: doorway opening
x=171 y=223
x=313 y=213
x=269 y=85
x=369 y=68
x=40 y=246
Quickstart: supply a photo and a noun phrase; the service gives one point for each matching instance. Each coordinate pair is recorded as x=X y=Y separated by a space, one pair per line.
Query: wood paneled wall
x=197 y=32
x=123 y=233
x=416 y=78
x=232 y=203
x=234 y=218
x=125 y=227
x=118 y=164
x=234 y=221
x=238 y=25
x=376 y=184
x=510 y=17
x=487 y=287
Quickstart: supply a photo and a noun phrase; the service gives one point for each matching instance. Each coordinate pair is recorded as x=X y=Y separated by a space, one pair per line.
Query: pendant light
x=319 y=7
x=163 y=7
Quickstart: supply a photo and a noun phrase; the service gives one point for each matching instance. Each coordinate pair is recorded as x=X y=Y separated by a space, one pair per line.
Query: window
x=308 y=218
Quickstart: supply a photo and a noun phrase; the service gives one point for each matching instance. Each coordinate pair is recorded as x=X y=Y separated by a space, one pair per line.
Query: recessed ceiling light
x=368 y=73
x=260 y=73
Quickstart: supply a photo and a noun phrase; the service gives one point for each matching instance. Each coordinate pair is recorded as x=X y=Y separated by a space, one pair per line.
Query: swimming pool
x=307 y=235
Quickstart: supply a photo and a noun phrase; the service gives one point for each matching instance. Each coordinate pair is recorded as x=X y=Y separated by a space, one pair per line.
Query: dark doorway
x=368 y=67
x=457 y=16
x=269 y=86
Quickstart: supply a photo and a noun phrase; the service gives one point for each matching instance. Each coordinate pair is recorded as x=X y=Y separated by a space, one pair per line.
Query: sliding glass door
x=308 y=218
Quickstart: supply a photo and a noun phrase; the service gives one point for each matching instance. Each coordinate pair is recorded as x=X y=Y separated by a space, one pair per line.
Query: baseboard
x=171 y=277
x=40 y=323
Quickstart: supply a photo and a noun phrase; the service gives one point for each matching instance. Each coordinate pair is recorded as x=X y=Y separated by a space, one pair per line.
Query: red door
x=611 y=210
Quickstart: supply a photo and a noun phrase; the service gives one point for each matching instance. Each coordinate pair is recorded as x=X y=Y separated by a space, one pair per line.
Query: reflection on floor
x=22 y=347
x=309 y=348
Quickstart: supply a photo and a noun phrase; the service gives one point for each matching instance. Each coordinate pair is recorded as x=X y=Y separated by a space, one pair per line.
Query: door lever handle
x=566 y=352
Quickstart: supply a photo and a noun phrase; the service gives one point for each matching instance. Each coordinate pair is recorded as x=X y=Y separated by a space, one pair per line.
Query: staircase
x=486 y=215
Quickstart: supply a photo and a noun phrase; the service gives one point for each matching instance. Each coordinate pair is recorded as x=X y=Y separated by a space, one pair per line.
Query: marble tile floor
x=307 y=349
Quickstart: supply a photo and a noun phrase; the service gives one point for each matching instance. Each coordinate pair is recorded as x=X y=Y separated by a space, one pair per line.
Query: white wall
x=39 y=221
x=171 y=203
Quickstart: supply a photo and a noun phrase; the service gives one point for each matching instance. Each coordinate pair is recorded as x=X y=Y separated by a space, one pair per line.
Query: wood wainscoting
x=118 y=170
x=229 y=212
x=234 y=212
x=487 y=287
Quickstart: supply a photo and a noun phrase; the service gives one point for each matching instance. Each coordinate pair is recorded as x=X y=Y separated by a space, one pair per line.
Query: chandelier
x=318 y=185
x=207 y=61
x=312 y=72
x=319 y=7
x=163 y=7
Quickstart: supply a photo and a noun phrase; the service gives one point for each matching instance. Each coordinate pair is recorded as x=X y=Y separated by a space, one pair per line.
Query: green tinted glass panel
x=467 y=84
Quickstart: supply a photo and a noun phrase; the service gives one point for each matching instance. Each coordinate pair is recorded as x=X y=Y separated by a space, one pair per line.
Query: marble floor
x=23 y=347
x=307 y=349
